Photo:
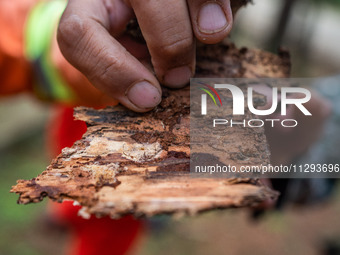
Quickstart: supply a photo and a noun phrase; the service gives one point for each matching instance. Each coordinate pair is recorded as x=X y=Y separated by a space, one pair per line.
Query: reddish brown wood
x=138 y=163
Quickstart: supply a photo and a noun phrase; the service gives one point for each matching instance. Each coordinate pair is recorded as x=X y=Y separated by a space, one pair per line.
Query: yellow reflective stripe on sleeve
x=40 y=28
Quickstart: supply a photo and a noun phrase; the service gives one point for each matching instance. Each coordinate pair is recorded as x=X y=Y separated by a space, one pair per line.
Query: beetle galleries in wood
x=138 y=162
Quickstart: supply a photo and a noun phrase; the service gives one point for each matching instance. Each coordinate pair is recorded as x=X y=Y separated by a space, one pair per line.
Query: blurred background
x=310 y=30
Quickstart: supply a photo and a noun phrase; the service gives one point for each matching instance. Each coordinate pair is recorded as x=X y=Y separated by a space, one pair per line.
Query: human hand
x=287 y=144
x=91 y=37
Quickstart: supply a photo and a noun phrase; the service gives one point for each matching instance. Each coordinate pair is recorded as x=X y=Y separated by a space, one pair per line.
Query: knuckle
x=105 y=69
x=71 y=31
x=75 y=41
x=177 y=45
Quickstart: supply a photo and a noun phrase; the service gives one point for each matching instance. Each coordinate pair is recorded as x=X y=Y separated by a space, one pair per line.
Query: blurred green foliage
x=23 y=160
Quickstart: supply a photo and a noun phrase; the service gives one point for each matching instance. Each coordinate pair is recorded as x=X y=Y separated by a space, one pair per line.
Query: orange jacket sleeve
x=15 y=71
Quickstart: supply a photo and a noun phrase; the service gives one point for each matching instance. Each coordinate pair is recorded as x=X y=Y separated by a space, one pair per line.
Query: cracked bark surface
x=138 y=163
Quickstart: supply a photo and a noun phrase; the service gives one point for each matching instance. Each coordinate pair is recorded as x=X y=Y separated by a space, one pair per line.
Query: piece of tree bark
x=138 y=163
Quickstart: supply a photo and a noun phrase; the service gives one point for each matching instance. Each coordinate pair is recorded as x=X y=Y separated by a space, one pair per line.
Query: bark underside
x=138 y=163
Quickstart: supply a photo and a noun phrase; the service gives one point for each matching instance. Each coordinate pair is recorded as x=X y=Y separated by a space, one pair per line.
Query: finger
x=119 y=14
x=211 y=20
x=86 y=43
x=167 y=30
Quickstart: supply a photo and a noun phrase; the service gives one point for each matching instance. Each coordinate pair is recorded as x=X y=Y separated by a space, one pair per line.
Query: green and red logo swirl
x=211 y=92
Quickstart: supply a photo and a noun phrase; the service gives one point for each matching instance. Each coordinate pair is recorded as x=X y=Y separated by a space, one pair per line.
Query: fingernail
x=144 y=95
x=178 y=77
x=211 y=18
